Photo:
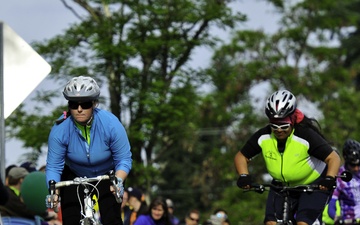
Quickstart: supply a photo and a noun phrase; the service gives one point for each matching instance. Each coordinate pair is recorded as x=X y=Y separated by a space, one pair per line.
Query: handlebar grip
x=52 y=188
x=259 y=188
x=112 y=176
x=114 y=182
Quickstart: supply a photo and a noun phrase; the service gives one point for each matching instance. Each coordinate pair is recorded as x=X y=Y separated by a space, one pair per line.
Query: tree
x=141 y=51
x=328 y=61
x=300 y=57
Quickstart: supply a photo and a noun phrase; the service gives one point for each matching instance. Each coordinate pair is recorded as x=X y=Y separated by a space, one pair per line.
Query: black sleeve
x=318 y=146
x=251 y=147
x=4 y=196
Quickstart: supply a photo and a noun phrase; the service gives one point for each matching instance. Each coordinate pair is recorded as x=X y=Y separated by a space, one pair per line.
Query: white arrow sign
x=23 y=71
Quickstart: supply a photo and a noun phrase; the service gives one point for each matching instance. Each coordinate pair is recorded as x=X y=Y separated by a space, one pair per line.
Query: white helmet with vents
x=280 y=104
x=81 y=89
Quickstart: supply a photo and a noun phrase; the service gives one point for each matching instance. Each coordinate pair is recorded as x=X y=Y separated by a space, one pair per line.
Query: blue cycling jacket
x=109 y=147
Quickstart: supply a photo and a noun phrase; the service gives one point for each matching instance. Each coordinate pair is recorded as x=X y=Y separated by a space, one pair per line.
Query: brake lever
x=114 y=182
x=52 y=193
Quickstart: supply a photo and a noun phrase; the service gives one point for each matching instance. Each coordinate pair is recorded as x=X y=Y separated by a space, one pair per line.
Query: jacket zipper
x=87 y=149
x=282 y=166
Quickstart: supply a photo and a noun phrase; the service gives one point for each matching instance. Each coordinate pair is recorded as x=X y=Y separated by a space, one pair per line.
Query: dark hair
x=14 y=181
x=8 y=169
x=226 y=219
x=193 y=211
x=219 y=210
x=160 y=201
x=311 y=123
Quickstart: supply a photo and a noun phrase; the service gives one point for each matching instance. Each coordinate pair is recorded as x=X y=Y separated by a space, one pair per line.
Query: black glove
x=328 y=182
x=244 y=180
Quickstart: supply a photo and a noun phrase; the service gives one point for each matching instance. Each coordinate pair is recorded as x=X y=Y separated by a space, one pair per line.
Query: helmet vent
x=81 y=89
x=280 y=104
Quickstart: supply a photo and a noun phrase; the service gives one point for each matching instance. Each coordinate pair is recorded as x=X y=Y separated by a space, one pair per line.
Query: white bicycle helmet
x=280 y=104
x=81 y=89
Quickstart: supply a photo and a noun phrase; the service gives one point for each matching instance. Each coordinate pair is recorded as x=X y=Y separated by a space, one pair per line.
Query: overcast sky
x=37 y=20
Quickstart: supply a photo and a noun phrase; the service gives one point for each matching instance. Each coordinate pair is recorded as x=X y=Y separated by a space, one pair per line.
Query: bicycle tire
x=87 y=221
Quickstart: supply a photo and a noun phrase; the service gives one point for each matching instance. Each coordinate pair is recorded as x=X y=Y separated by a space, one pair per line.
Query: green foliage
x=189 y=135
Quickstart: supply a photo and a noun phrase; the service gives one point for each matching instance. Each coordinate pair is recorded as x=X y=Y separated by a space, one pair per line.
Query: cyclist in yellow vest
x=326 y=219
x=295 y=152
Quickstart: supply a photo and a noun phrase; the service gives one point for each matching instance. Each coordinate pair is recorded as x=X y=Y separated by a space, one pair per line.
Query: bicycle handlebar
x=80 y=180
x=84 y=180
x=260 y=188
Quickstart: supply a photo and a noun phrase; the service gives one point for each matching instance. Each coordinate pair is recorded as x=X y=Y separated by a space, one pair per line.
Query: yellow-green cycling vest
x=294 y=166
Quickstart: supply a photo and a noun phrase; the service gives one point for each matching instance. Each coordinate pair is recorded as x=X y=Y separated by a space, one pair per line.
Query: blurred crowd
x=161 y=211
x=134 y=208
x=15 y=206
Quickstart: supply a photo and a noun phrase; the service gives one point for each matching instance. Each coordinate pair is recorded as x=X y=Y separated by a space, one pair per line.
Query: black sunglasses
x=353 y=165
x=197 y=220
x=84 y=105
x=281 y=127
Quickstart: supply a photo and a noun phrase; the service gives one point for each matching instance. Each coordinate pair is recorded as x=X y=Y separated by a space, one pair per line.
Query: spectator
x=191 y=218
x=174 y=220
x=29 y=166
x=157 y=214
x=7 y=173
x=221 y=213
x=15 y=206
x=42 y=168
x=125 y=209
x=137 y=203
x=219 y=217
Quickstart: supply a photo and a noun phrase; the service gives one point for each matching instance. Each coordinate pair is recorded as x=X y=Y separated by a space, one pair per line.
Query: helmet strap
x=88 y=123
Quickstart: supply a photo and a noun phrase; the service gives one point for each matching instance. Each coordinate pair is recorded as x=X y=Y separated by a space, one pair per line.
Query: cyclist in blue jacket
x=295 y=153
x=87 y=141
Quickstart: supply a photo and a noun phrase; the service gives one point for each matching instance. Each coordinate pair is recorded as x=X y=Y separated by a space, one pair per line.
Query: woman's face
x=81 y=111
x=157 y=212
x=281 y=131
x=353 y=168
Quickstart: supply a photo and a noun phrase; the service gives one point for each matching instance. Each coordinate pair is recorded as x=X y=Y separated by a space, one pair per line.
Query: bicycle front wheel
x=282 y=223
x=88 y=221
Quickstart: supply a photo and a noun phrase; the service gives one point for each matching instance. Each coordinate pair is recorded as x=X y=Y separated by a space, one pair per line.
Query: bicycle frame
x=87 y=207
x=285 y=193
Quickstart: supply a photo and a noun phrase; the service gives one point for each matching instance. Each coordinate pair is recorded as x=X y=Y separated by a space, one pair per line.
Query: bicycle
x=87 y=207
x=285 y=191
